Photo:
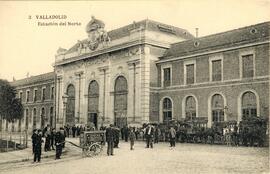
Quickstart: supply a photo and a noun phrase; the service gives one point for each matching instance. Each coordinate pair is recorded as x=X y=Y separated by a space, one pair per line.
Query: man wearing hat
x=59 y=143
x=37 y=143
x=110 y=139
x=149 y=134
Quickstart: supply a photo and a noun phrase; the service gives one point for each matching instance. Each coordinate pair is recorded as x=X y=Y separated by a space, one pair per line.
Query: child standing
x=132 y=138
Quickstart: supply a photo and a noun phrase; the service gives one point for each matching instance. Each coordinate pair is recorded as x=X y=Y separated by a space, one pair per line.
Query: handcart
x=92 y=142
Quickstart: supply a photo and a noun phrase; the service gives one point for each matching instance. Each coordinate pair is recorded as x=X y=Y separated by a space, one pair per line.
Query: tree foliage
x=10 y=107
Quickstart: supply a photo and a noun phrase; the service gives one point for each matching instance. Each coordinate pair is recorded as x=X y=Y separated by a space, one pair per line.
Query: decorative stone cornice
x=103 y=68
x=78 y=73
x=132 y=62
x=143 y=40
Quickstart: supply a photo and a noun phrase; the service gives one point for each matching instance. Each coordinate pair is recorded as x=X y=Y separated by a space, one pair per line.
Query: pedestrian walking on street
x=52 y=138
x=47 y=136
x=149 y=134
x=73 y=131
x=59 y=143
x=132 y=138
x=110 y=139
x=172 y=134
x=157 y=134
x=126 y=131
x=116 y=137
x=34 y=139
x=37 y=146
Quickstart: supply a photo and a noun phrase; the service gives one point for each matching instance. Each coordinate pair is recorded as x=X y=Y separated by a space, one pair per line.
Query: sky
x=26 y=47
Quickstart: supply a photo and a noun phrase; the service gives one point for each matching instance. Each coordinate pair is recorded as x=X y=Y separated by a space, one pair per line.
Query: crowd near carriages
x=249 y=132
x=252 y=131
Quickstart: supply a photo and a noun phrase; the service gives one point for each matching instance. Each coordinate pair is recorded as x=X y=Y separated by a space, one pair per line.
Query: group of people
x=73 y=131
x=129 y=134
x=53 y=141
x=230 y=135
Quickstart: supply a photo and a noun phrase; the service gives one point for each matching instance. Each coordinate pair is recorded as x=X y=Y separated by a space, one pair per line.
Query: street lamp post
x=65 y=98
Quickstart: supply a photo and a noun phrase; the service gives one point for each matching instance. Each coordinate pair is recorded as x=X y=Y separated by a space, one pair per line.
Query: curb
x=28 y=159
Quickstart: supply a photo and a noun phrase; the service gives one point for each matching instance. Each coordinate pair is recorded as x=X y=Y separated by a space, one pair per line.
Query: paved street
x=185 y=158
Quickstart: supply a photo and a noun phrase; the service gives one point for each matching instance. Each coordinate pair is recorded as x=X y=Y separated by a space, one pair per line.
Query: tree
x=10 y=107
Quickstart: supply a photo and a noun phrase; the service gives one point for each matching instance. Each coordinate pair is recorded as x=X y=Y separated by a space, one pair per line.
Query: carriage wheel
x=87 y=151
x=95 y=149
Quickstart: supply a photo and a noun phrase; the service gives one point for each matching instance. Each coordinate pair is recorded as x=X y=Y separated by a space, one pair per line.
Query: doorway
x=92 y=119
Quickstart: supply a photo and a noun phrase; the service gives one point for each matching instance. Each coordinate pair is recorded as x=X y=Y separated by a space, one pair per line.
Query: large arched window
x=34 y=118
x=167 y=109
x=70 y=108
x=26 y=118
x=249 y=105
x=217 y=108
x=120 y=101
x=43 y=117
x=51 y=116
x=93 y=100
x=190 y=108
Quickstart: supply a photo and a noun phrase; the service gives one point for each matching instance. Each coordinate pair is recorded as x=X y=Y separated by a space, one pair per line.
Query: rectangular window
x=20 y=95
x=43 y=94
x=166 y=77
x=52 y=93
x=190 y=74
x=247 y=66
x=27 y=96
x=35 y=95
x=216 y=70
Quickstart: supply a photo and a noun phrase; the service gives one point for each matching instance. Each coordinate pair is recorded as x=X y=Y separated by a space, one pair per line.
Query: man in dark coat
x=110 y=139
x=126 y=132
x=47 y=136
x=116 y=136
x=37 y=146
x=59 y=141
x=52 y=138
x=149 y=134
x=34 y=139
x=74 y=131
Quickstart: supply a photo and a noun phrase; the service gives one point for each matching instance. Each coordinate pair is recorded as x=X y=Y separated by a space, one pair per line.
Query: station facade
x=220 y=77
x=107 y=77
x=152 y=72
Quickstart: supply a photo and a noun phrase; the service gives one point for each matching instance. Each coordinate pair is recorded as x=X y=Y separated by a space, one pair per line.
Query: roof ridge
x=32 y=77
x=219 y=33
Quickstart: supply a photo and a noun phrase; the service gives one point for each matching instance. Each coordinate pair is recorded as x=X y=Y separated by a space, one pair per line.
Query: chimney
x=197 y=32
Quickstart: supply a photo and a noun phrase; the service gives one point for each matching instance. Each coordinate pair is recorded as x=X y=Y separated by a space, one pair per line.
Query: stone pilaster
x=79 y=95
x=145 y=86
x=104 y=96
x=132 y=91
x=59 y=101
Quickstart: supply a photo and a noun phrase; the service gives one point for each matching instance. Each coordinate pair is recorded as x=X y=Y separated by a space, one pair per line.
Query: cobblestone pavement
x=185 y=158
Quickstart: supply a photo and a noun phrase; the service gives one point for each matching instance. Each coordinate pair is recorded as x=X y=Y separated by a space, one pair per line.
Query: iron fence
x=13 y=140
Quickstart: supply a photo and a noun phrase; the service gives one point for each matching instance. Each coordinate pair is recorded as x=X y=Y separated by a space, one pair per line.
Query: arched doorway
x=70 y=108
x=249 y=105
x=120 y=101
x=217 y=108
x=167 y=110
x=93 y=100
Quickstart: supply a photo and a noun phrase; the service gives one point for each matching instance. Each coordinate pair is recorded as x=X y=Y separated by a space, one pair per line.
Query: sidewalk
x=24 y=155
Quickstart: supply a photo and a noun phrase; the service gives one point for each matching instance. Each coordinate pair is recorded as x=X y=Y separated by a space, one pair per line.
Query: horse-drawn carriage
x=92 y=142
